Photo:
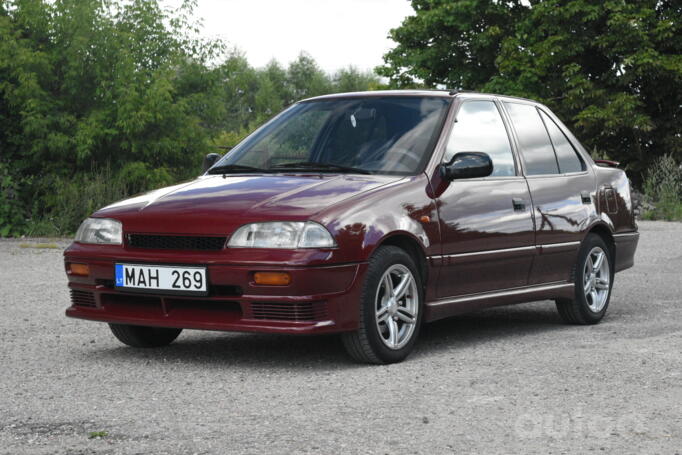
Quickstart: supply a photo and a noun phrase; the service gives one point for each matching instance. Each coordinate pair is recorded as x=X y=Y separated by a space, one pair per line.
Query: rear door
x=561 y=188
x=486 y=223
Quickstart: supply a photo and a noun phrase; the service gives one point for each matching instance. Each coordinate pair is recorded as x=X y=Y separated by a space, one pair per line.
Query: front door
x=486 y=224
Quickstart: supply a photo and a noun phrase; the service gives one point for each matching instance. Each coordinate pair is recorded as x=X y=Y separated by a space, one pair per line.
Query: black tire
x=578 y=310
x=139 y=336
x=365 y=344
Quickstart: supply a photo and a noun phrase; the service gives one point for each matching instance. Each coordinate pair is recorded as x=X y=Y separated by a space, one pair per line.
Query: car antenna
x=455 y=91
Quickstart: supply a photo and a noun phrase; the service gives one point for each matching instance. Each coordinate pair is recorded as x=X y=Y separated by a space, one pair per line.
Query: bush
x=138 y=177
x=67 y=202
x=11 y=208
x=663 y=189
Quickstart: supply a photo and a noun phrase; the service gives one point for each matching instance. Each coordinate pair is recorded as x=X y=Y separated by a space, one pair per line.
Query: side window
x=536 y=148
x=479 y=128
x=568 y=158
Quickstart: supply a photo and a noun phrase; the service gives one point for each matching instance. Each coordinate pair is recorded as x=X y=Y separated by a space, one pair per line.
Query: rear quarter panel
x=616 y=210
x=614 y=202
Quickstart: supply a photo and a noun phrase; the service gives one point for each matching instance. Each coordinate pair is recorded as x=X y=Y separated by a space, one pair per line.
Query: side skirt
x=451 y=306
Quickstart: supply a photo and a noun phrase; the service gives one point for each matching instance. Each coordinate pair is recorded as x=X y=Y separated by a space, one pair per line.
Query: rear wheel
x=390 y=309
x=139 y=336
x=593 y=282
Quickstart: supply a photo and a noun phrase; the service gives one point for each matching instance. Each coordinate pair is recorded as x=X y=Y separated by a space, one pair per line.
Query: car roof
x=432 y=93
x=375 y=93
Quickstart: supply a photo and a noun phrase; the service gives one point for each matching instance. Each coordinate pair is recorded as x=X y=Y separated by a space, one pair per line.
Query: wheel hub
x=392 y=307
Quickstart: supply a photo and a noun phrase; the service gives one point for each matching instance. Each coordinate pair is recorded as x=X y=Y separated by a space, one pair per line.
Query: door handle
x=586 y=197
x=519 y=204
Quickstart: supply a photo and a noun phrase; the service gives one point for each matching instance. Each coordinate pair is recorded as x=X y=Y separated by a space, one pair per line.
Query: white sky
x=336 y=33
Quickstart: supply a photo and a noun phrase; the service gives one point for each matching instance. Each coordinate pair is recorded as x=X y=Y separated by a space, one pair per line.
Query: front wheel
x=139 y=336
x=593 y=283
x=390 y=309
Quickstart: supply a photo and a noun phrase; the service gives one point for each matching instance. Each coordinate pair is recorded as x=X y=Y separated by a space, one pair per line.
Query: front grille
x=82 y=298
x=176 y=242
x=299 y=311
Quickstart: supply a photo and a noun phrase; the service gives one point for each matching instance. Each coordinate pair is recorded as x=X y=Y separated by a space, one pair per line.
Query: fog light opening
x=272 y=278
x=79 y=269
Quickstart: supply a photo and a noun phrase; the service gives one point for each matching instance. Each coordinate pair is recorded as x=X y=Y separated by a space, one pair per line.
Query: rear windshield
x=385 y=135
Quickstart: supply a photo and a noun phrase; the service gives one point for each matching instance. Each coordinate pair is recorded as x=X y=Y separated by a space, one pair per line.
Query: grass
x=51 y=246
x=663 y=187
x=98 y=434
x=42 y=228
x=665 y=210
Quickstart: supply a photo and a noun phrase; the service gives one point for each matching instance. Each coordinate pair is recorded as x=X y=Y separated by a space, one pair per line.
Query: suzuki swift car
x=367 y=215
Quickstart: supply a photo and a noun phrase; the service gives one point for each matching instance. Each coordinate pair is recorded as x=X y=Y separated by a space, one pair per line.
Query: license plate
x=186 y=280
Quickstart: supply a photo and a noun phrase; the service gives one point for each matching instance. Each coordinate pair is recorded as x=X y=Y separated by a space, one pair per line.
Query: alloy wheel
x=596 y=279
x=396 y=306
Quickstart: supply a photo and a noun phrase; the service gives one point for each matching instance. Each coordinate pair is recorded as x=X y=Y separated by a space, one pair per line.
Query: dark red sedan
x=365 y=214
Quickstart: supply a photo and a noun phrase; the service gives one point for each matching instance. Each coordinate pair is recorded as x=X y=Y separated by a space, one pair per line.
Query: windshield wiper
x=233 y=168
x=312 y=166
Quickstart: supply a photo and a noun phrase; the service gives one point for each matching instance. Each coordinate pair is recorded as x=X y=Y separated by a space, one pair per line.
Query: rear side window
x=568 y=158
x=536 y=148
x=479 y=128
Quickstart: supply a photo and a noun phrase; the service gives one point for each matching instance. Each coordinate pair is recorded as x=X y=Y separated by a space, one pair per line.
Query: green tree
x=351 y=79
x=611 y=70
x=92 y=82
x=239 y=85
x=277 y=76
x=268 y=101
x=86 y=84
x=306 y=79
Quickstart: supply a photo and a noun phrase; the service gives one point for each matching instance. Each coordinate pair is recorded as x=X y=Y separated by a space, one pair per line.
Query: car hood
x=213 y=204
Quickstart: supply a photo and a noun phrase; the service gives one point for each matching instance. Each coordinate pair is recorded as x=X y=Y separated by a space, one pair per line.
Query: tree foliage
x=124 y=91
x=611 y=70
x=91 y=82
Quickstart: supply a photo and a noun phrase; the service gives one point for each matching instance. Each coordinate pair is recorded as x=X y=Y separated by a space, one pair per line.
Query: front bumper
x=319 y=299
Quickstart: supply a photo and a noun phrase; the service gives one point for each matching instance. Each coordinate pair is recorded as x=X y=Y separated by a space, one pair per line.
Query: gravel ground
x=505 y=380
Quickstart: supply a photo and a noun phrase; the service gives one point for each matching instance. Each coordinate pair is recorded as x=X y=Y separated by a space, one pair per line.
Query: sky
x=336 y=33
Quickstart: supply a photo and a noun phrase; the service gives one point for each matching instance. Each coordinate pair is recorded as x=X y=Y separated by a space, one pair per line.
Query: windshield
x=384 y=135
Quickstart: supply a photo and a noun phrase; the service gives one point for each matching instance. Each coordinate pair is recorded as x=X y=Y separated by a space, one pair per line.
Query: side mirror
x=210 y=160
x=467 y=165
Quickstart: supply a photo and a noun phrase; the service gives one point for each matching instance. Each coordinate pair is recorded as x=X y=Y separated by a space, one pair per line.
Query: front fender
x=362 y=223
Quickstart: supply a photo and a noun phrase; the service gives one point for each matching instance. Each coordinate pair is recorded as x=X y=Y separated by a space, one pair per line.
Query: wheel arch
x=603 y=231
x=413 y=247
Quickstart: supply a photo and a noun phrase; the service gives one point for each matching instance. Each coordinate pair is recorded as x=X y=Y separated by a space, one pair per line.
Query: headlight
x=282 y=234
x=100 y=230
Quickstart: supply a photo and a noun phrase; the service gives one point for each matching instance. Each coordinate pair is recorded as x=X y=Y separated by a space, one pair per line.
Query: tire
x=592 y=287
x=139 y=336
x=388 y=327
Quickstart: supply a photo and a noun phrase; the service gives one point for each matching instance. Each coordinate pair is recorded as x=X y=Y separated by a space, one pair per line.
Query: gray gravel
x=506 y=380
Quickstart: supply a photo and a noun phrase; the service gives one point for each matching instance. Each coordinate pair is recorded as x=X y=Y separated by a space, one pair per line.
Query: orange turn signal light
x=272 y=278
x=79 y=269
